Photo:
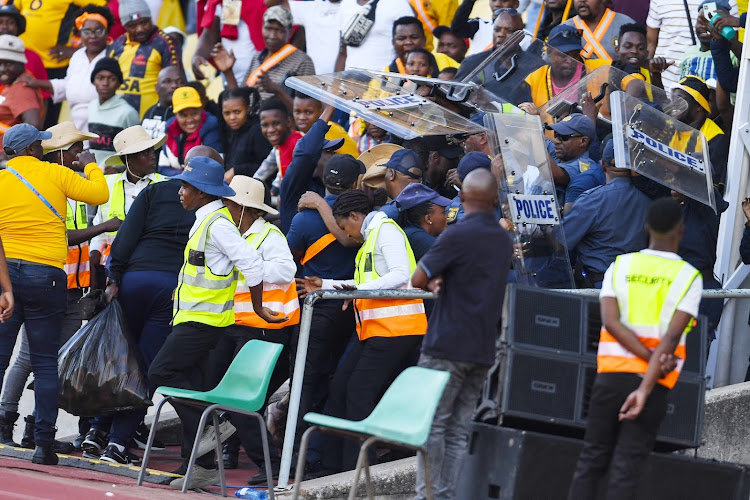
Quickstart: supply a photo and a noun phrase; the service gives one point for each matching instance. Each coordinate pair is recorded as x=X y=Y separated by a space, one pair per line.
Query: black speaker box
x=511 y=464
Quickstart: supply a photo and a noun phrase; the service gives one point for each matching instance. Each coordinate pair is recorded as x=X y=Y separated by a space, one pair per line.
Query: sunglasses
x=510 y=12
x=564 y=137
x=569 y=34
x=97 y=31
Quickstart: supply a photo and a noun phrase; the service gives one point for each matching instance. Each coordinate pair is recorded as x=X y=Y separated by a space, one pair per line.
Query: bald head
x=479 y=192
x=204 y=151
x=169 y=79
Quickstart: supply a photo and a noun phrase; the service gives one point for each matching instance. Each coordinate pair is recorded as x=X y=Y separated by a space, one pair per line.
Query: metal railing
x=304 y=336
x=299 y=364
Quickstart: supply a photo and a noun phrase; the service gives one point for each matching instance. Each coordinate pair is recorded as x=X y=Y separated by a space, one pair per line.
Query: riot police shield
x=601 y=83
x=661 y=148
x=528 y=199
x=522 y=70
x=396 y=106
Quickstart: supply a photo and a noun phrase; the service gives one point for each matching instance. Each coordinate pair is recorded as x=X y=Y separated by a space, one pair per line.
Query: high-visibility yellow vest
x=648 y=289
x=77 y=265
x=385 y=317
x=116 y=205
x=282 y=298
x=202 y=296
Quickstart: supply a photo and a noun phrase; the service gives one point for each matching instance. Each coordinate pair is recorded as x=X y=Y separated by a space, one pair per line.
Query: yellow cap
x=337 y=132
x=184 y=98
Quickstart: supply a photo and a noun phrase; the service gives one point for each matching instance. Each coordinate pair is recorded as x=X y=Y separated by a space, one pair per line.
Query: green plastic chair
x=403 y=418
x=242 y=390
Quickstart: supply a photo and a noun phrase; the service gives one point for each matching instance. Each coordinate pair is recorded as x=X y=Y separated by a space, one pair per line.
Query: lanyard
x=37 y=193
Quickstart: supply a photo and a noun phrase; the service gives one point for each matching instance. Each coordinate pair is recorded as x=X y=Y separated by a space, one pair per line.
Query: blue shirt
x=590 y=179
x=573 y=168
x=335 y=261
x=464 y=324
x=605 y=222
x=391 y=210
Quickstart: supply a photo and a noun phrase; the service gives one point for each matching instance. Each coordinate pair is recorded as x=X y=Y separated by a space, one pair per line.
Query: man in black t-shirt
x=469 y=262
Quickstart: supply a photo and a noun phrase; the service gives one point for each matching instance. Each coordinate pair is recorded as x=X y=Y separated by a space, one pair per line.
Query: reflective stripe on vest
x=202 y=296
x=421 y=11
x=385 y=317
x=317 y=247
x=116 y=208
x=281 y=298
x=648 y=289
x=77 y=265
x=593 y=39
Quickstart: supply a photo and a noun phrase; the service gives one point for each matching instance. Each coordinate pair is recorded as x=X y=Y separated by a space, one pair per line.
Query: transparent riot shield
x=528 y=199
x=661 y=148
x=394 y=105
x=520 y=71
x=601 y=83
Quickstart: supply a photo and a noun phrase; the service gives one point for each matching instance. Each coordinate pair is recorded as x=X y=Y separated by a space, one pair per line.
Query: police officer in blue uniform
x=605 y=222
x=591 y=178
x=568 y=153
x=470 y=162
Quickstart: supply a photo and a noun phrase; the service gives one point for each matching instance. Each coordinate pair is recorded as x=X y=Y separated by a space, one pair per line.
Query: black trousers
x=182 y=363
x=219 y=360
x=330 y=332
x=358 y=384
x=621 y=447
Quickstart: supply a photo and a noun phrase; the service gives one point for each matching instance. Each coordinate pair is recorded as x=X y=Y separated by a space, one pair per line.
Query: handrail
x=299 y=364
x=719 y=293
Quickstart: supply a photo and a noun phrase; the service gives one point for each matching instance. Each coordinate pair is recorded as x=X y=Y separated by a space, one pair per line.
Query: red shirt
x=15 y=100
x=35 y=66
x=286 y=151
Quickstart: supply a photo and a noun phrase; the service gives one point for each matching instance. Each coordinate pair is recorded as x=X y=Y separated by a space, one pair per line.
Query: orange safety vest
x=270 y=63
x=282 y=298
x=385 y=317
x=593 y=39
x=648 y=289
x=77 y=265
x=420 y=10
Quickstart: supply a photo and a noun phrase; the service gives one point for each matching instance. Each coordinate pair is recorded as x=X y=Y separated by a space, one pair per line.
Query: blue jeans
x=40 y=300
x=449 y=437
x=146 y=300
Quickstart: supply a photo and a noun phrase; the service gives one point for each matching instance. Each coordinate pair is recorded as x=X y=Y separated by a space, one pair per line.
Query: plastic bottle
x=727 y=31
x=251 y=494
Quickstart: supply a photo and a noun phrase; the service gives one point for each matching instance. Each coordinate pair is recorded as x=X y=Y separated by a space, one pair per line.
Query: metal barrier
x=304 y=336
x=299 y=364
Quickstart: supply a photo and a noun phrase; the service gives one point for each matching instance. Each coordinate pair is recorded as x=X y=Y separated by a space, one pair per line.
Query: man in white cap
x=134 y=148
x=34 y=197
x=142 y=52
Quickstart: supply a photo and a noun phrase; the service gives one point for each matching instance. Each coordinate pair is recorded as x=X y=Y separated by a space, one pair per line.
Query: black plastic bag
x=99 y=368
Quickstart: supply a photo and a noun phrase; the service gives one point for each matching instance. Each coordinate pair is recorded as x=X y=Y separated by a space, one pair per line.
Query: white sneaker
x=208 y=439
x=199 y=478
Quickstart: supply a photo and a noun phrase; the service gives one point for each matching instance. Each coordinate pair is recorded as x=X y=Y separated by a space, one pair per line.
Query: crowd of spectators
x=321 y=197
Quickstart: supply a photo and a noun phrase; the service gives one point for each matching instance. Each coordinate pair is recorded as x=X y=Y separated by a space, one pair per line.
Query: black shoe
x=44 y=455
x=141 y=439
x=181 y=470
x=94 y=443
x=27 y=441
x=231 y=452
x=7 y=423
x=261 y=477
x=114 y=455
x=77 y=442
x=62 y=447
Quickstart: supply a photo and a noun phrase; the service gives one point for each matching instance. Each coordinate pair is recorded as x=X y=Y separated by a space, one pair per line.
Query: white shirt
x=131 y=191
x=482 y=39
x=689 y=302
x=243 y=48
x=391 y=258
x=278 y=264
x=668 y=16
x=226 y=249
x=319 y=17
x=376 y=51
x=77 y=88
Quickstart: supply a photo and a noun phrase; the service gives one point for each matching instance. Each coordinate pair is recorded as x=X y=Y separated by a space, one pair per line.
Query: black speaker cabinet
x=554 y=390
x=512 y=464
